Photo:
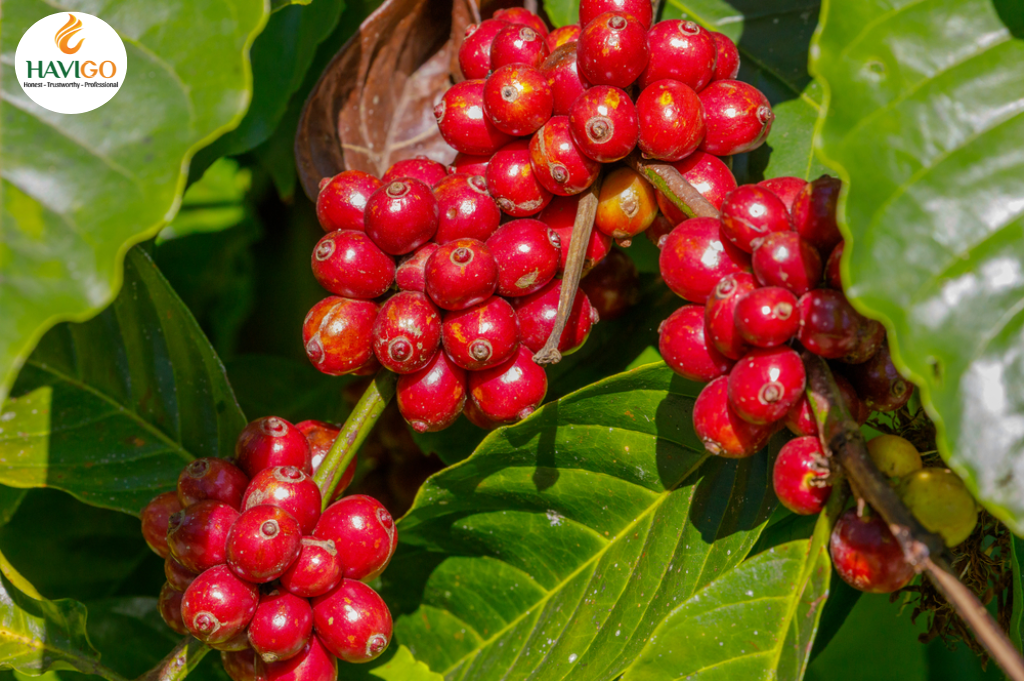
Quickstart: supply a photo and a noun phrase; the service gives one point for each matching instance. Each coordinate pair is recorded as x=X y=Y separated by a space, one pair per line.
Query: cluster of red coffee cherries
x=255 y=570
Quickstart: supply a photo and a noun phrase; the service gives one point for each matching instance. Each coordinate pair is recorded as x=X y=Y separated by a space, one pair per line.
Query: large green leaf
x=404 y=667
x=78 y=191
x=925 y=117
x=557 y=547
x=756 y=621
x=111 y=410
x=37 y=635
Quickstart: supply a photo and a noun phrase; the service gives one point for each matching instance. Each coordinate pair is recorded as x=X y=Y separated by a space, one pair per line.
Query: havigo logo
x=88 y=79
x=65 y=34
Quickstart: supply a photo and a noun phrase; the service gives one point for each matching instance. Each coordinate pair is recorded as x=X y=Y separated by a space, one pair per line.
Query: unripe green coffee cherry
x=894 y=456
x=938 y=498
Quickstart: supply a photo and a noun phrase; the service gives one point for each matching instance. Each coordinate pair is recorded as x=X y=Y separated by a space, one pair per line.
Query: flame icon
x=66 y=33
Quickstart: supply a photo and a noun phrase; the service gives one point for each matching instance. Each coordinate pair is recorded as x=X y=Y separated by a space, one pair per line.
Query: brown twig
x=586 y=210
x=179 y=662
x=674 y=186
x=841 y=436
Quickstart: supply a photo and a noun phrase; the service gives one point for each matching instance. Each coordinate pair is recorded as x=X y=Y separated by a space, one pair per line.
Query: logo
x=65 y=34
x=71 y=63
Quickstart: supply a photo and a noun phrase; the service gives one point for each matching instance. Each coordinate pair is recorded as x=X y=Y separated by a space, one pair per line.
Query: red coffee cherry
x=197 y=535
x=833 y=277
x=460 y=274
x=786 y=188
x=401 y=216
x=240 y=665
x=870 y=337
x=482 y=336
x=210 y=478
x=767 y=316
x=518 y=99
x=867 y=556
x=612 y=50
x=321 y=437
x=342 y=200
x=336 y=334
x=799 y=474
x=527 y=253
x=363 y=532
x=537 y=312
x=271 y=441
x=418 y=168
x=708 y=175
x=316 y=571
x=750 y=213
x=604 y=123
x=314 y=663
x=178 y=576
x=787 y=260
x=477 y=418
x=727 y=65
x=721 y=429
x=766 y=383
x=682 y=51
x=814 y=213
x=353 y=622
x=410 y=274
x=738 y=117
x=462 y=123
x=613 y=286
x=169 y=605
x=287 y=488
x=522 y=17
x=407 y=332
x=218 y=606
x=564 y=78
x=720 y=314
x=263 y=543
x=558 y=162
x=684 y=346
x=672 y=120
x=475 y=51
x=281 y=626
x=694 y=258
x=511 y=391
x=513 y=183
x=660 y=228
x=347 y=263
x=469 y=164
x=432 y=398
x=562 y=36
x=626 y=205
x=560 y=216
x=518 y=44
x=879 y=384
x=828 y=323
x=466 y=209
x=155 y=517
x=641 y=10
x=800 y=417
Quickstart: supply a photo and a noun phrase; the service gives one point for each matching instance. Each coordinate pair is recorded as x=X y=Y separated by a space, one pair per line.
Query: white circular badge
x=71 y=62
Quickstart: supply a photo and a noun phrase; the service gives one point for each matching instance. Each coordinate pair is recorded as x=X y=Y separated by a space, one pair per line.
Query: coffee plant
x=595 y=339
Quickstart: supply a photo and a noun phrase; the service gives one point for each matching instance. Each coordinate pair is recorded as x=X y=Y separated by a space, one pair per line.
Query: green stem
x=179 y=663
x=358 y=425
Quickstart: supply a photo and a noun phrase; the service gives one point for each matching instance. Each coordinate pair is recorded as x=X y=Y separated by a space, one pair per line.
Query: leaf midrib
x=130 y=414
x=579 y=570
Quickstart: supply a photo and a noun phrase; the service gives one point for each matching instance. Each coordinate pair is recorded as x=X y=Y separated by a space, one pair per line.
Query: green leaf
x=37 y=635
x=292 y=389
x=110 y=410
x=52 y=531
x=925 y=115
x=773 y=39
x=404 y=667
x=756 y=621
x=10 y=501
x=557 y=547
x=78 y=191
x=212 y=204
x=1016 y=628
x=281 y=55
